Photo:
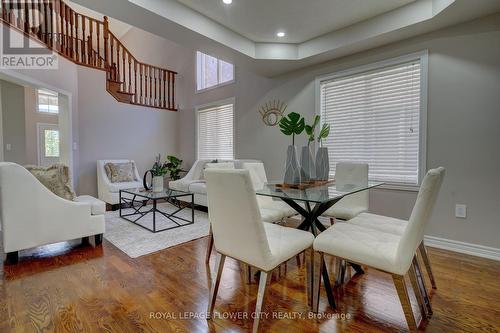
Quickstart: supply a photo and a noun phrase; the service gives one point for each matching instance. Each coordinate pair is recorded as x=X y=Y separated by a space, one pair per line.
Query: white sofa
x=110 y=192
x=31 y=215
x=194 y=181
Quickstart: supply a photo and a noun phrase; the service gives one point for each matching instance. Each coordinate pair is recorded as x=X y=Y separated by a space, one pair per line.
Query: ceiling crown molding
x=405 y=16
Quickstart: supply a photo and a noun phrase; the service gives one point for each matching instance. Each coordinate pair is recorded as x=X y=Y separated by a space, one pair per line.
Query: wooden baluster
x=135 y=81
x=105 y=28
x=168 y=90
x=4 y=10
x=160 y=90
x=73 y=40
x=51 y=22
x=66 y=33
x=141 y=83
x=123 y=70
x=154 y=85
x=77 y=49
x=99 y=60
x=40 y=20
x=90 y=47
x=129 y=74
x=173 y=91
x=12 y=16
x=20 y=23
x=62 y=11
x=150 y=85
x=117 y=55
x=46 y=21
x=111 y=42
x=57 y=14
x=84 y=28
x=145 y=101
x=164 y=101
x=26 y=17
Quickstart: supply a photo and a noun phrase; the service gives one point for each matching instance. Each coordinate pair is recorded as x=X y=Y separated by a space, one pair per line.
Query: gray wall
x=463 y=124
x=13 y=119
x=112 y=130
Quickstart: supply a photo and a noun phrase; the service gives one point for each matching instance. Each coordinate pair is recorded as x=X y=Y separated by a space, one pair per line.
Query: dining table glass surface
x=318 y=194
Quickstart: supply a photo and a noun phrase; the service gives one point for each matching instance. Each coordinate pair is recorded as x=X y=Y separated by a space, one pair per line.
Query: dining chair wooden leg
x=423 y=289
x=418 y=293
x=260 y=300
x=248 y=273
x=309 y=276
x=209 y=246
x=317 y=272
x=219 y=265
x=427 y=263
x=400 y=284
x=298 y=260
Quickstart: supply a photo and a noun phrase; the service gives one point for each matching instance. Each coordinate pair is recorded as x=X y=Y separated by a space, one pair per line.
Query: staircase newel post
x=106 y=38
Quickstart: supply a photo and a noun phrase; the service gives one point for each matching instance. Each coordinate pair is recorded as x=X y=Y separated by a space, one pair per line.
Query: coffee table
x=137 y=200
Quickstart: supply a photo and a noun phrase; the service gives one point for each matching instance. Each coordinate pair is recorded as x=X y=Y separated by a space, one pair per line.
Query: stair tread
x=125 y=92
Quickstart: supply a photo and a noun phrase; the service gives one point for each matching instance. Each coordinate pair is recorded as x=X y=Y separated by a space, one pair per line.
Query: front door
x=48 y=144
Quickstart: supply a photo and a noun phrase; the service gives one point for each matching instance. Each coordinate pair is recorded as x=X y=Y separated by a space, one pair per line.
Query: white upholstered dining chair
x=389 y=252
x=347 y=173
x=239 y=232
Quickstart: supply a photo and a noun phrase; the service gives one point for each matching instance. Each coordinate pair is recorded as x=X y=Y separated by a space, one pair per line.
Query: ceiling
x=302 y=20
x=181 y=24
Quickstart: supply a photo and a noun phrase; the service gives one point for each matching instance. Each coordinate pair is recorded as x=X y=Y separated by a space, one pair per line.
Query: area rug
x=136 y=241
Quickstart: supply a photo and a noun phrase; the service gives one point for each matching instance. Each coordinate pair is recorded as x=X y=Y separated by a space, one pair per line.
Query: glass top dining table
x=318 y=194
x=311 y=203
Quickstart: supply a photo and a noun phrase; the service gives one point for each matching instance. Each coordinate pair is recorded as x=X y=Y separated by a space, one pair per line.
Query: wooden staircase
x=89 y=42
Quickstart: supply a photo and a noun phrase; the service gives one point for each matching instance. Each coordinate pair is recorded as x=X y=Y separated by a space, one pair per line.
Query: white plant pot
x=158 y=184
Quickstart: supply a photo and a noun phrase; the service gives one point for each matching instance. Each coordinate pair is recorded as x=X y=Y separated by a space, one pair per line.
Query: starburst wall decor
x=272 y=112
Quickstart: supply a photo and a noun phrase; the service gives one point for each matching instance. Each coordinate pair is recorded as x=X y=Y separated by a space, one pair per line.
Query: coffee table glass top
x=318 y=194
x=165 y=194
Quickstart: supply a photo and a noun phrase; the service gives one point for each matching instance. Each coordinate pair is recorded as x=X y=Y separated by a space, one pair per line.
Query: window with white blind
x=376 y=114
x=215 y=131
x=212 y=72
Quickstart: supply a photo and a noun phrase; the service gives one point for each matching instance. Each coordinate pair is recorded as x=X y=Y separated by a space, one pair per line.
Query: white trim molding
x=462 y=247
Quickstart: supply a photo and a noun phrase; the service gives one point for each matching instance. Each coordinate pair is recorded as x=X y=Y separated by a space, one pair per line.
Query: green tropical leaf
x=324 y=133
x=293 y=124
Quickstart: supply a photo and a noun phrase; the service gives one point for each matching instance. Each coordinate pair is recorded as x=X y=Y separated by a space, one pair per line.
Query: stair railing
x=89 y=42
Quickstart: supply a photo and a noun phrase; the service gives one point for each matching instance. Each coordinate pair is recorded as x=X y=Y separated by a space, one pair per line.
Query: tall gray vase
x=322 y=164
x=307 y=168
x=292 y=171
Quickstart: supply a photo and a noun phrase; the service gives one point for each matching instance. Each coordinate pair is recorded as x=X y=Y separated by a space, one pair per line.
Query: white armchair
x=31 y=215
x=110 y=192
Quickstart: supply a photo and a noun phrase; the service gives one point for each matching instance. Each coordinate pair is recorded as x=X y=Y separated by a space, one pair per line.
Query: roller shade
x=374 y=119
x=215 y=132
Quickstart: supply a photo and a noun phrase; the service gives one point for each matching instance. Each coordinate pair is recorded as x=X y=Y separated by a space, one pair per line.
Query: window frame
x=198 y=108
x=218 y=85
x=423 y=58
x=37 y=103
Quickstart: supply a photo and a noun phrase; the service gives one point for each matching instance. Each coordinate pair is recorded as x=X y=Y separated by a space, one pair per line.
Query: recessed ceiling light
x=280 y=34
x=227 y=2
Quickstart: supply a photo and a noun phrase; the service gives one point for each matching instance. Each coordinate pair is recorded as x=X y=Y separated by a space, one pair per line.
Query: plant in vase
x=307 y=168
x=291 y=125
x=322 y=162
x=173 y=166
x=158 y=172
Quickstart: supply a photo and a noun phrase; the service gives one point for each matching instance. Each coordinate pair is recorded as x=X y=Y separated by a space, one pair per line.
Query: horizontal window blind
x=215 y=132
x=374 y=119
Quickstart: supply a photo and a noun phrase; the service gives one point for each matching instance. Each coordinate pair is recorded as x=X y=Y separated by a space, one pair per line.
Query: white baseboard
x=461 y=247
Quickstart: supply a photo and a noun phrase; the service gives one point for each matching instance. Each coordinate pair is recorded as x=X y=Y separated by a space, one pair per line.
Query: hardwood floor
x=67 y=287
